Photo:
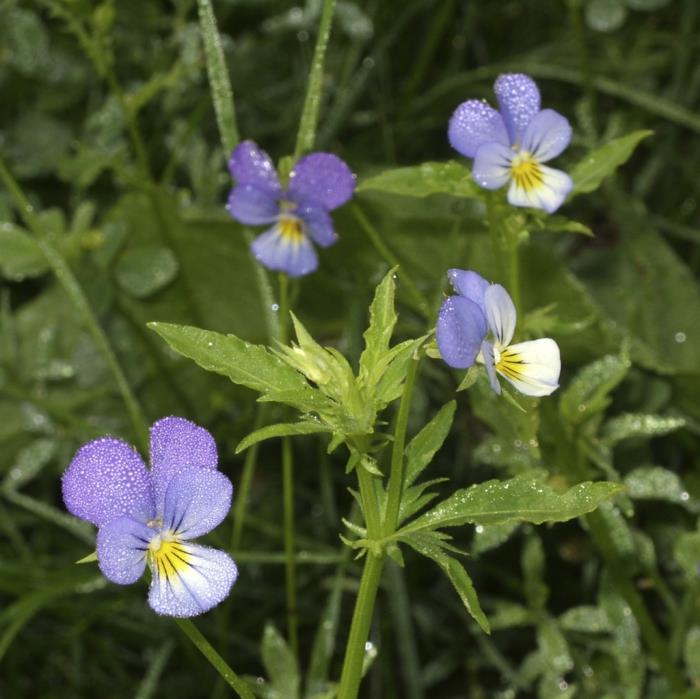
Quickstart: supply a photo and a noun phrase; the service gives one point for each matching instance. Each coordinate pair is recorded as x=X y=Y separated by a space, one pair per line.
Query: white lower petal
x=189 y=579
x=548 y=192
x=532 y=367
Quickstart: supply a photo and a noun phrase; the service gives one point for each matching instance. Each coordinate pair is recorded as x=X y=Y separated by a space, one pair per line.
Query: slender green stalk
x=576 y=21
x=505 y=250
x=371 y=232
x=70 y=284
x=283 y=309
x=359 y=629
x=395 y=487
x=290 y=571
x=219 y=83
x=221 y=666
x=312 y=103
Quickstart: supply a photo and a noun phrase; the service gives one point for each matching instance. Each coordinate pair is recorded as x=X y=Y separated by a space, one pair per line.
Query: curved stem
x=221 y=666
x=70 y=284
x=290 y=571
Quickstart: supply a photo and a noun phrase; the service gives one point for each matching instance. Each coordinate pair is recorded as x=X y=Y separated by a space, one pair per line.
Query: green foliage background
x=107 y=123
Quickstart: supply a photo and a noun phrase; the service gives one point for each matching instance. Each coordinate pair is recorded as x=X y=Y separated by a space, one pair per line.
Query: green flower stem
x=505 y=250
x=396 y=476
x=290 y=571
x=359 y=629
x=221 y=666
x=306 y=135
x=656 y=643
x=70 y=284
x=371 y=232
x=219 y=83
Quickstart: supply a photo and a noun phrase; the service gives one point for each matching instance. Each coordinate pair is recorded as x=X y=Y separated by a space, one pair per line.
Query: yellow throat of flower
x=526 y=171
x=167 y=556
x=290 y=228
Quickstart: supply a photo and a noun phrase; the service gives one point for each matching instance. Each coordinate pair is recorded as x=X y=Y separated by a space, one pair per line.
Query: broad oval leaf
x=20 y=255
x=142 y=271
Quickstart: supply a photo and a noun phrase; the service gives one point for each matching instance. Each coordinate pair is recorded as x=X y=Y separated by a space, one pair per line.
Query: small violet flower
x=151 y=516
x=511 y=145
x=463 y=325
x=318 y=183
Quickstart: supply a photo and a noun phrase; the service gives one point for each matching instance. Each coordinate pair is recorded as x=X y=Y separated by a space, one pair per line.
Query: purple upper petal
x=460 y=330
x=519 y=101
x=322 y=179
x=107 y=478
x=178 y=445
x=122 y=545
x=196 y=501
x=201 y=583
x=252 y=165
x=251 y=205
x=547 y=135
x=473 y=124
x=277 y=252
x=318 y=225
x=469 y=284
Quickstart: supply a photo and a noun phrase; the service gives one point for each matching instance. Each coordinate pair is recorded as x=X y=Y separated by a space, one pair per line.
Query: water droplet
x=685 y=496
x=275 y=307
x=680 y=337
x=303 y=36
x=563 y=685
x=479 y=529
x=369 y=647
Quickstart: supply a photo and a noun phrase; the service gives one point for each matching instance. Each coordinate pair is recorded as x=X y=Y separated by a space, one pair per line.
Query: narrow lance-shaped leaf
x=517 y=499
x=282 y=429
x=280 y=663
x=422 y=180
x=602 y=162
x=632 y=425
x=422 y=448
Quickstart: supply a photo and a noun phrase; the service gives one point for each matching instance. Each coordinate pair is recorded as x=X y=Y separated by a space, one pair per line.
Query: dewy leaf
x=422 y=180
x=602 y=162
x=246 y=364
x=280 y=664
x=382 y=319
x=517 y=499
x=587 y=394
x=421 y=449
x=656 y=483
x=20 y=256
x=142 y=271
x=632 y=425
x=282 y=429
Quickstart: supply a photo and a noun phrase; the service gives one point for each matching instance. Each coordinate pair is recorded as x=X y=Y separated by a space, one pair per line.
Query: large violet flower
x=512 y=145
x=151 y=516
x=319 y=183
x=462 y=328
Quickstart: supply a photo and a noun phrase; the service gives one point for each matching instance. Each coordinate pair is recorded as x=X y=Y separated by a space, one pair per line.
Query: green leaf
x=691 y=653
x=253 y=366
x=585 y=619
x=382 y=319
x=588 y=393
x=470 y=378
x=282 y=429
x=144 y=270
x=422 y=180
x=533 y=564
x=656 y=483
x=631 y=425
x=517 y=499
x=90 y=558
x=280 y=663
x=20 y=256
x=602 y=162
x=423 y=447
x=686 y=551
x=491 y=536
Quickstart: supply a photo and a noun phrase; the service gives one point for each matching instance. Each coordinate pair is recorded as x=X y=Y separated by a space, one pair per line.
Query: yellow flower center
x=526 y=172
x=167 y=555
x=508 y=363
x=291 y=228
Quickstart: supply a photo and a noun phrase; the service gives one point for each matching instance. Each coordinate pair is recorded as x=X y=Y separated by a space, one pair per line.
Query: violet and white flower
x=512 y=145
x=318 y=183
x=463 y=326
x=151 y=516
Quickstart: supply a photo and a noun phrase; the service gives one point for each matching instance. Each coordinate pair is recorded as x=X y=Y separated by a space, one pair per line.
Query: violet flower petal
x=473 y=124
x=460 y=330
x=318 y=225
x=278 y=253
x=322 y=179
x=201 y=579
x=196 y=501
x=492 y=165
x=251 y=205
x=107 y=478
x=249 y=164
x=519 y=101
x=469 y=284
x=547 y=135
x=177 y=446
x=488 y=356
x=122 y=546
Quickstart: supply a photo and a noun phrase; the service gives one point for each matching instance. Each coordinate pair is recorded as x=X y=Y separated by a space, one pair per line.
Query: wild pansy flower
x=318 y=183
x=151 y=516
x=512 y=145
x=463 y=325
